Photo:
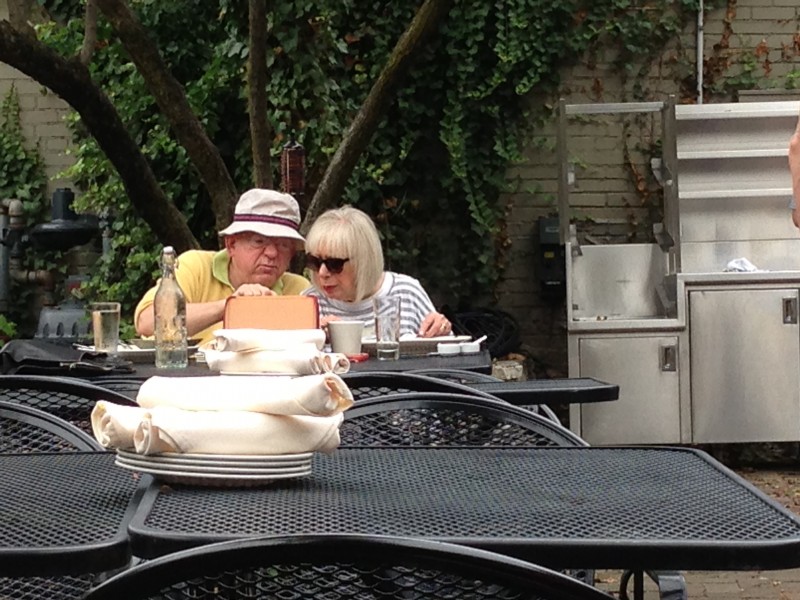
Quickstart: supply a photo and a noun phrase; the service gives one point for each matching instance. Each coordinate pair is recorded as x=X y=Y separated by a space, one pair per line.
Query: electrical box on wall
x=551 y=260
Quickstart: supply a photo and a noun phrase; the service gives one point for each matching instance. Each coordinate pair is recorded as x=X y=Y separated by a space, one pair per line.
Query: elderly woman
x=344 y=255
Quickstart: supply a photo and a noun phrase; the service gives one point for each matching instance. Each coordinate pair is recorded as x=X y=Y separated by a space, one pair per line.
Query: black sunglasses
x=334 y=265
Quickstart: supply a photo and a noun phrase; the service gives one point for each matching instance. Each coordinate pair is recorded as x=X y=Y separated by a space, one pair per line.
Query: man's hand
x=253 y=289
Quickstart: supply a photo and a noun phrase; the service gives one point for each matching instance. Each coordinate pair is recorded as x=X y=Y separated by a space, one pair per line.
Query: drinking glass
x=105 y=326
x=387 y=327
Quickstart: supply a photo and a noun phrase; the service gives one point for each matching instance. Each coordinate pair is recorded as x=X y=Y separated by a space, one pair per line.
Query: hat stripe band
x=266 y=219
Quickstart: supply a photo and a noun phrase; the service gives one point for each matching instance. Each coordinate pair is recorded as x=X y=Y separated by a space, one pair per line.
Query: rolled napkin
x=303 y=359
x=237 y=340
x=336 y=362
x=320 y=395
x=113 y=425
x=235 y=432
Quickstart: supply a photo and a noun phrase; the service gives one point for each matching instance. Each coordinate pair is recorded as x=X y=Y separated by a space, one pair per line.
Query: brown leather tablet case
x=271 y=312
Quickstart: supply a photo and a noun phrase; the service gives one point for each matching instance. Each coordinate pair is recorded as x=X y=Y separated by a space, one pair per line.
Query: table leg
x=638 y=584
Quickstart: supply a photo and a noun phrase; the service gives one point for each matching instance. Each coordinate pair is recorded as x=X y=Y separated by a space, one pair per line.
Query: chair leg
x=671 y=585
x=583 y=575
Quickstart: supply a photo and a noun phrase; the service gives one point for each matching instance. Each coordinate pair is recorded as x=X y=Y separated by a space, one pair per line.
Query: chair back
x=69 y=399
x=437 y=419
x=461 y=376
x=271 y=312
x=24 y=429
x=338 y=567
x=374 y=384
x=469 y=377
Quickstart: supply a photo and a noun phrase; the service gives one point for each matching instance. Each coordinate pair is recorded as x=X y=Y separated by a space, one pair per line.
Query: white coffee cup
x=346 y=336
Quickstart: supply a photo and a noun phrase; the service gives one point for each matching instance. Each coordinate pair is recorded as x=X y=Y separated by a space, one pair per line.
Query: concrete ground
x=784 y=486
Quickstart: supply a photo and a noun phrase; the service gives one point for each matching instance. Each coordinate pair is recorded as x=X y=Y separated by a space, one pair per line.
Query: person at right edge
x=794 y=169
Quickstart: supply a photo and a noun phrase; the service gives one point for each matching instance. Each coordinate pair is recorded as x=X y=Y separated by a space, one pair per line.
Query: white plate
x=417 y=346
x=214 y=458
x=212 y=469
x=204 y=460
x=259 y=373
x=212 y=479
x=138 y=351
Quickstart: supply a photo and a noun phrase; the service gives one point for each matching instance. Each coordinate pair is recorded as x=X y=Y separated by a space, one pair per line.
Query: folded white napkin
x=237 y=340
x=234 y=432
x=303 y=359
x=113 y=425
x=321 y=395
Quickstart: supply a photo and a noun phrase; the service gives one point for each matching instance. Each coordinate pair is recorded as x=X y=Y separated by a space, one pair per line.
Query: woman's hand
x=435 y=324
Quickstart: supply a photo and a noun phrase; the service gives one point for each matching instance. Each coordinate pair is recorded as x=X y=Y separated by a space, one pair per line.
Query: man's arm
x=794 y=169
x=199 y=315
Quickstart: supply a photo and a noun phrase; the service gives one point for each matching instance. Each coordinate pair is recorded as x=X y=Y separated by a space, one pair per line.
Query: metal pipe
x=700 y=52
x=5 y=282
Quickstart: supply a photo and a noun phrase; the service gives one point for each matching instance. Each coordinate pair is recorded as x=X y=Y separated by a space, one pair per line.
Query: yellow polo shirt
x=203 y=277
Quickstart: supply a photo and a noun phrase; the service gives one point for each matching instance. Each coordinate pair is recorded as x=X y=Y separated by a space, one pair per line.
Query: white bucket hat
x=268 y=213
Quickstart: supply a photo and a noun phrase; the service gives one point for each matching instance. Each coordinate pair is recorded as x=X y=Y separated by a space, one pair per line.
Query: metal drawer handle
x=790 y=311
x=668 y=358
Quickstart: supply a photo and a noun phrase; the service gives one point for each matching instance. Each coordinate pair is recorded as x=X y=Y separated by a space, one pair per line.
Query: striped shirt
x=415 y=304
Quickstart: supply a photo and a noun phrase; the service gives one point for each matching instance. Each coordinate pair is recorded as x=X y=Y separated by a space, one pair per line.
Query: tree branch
x=358 y=135
x=171 y=99
x=89 y=32
x=260 y=131
x=71 y=81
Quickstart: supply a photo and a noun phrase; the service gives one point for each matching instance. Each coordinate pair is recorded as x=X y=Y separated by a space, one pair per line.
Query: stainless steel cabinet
x=745 y=365
x=646 y=370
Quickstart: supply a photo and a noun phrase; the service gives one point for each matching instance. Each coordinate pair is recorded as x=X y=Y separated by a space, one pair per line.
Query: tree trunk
x=260 y=133
x=171 y=99
x=358 y=135
x=71 y=81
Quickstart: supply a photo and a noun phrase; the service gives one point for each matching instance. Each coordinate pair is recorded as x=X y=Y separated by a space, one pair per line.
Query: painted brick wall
x=42 y=118
x=762 y=39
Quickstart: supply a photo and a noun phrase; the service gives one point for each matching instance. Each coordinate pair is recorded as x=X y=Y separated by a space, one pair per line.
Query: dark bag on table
x=40 y=357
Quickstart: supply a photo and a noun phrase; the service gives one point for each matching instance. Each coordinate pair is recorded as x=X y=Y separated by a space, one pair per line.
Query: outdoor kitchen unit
x=701 y=354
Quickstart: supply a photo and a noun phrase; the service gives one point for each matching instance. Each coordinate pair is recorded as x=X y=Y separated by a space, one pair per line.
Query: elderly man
x=259 y=245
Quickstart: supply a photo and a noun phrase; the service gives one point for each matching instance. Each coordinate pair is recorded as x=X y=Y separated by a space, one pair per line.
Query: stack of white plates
x=218 y=469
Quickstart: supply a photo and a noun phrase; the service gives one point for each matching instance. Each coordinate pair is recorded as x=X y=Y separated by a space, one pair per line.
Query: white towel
x=320 y=395
x=235 y=432
x=237 y=340
x=303 y=359
x=113 y=425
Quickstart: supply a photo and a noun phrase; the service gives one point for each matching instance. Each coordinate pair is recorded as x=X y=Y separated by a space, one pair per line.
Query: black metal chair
x=447 y=419
x=436 y=419
x=126 y=386
x=24 y=429
x=69 y=399
x=340 y=568
x=373 y=384
x=455 y=375
x=438 y=380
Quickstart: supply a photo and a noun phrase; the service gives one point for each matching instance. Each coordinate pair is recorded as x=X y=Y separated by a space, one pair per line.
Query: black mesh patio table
x=630 y=508
x=64 y=513
x=578 y=390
